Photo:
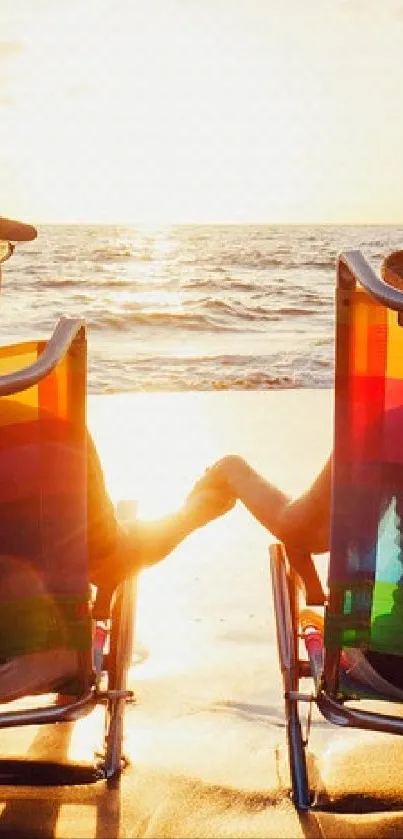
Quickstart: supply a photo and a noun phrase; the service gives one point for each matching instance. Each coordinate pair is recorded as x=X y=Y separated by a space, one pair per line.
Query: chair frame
x=70 y=335
x=294 y=580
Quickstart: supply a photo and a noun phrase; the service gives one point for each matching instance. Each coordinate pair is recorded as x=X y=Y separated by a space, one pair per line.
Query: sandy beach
x=206 y=737
x=202 y=184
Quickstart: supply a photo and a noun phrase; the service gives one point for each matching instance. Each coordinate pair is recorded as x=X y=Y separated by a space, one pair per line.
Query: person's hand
x=214 y=478
x=204 y=504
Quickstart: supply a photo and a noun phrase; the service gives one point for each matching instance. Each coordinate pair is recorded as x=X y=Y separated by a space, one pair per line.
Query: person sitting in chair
x=115 y=551
x=303 y=525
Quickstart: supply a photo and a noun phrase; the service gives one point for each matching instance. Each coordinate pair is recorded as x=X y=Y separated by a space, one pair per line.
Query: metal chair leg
x=121 y=645
x=284 y=595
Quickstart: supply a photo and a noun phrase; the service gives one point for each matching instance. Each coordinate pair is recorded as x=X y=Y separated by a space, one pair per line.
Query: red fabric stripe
x=26 y=471
x=22 y=433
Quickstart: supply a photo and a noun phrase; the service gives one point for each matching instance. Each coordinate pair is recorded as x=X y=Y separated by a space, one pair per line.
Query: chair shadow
x=33 y=812
x=353 y=825
x=256 y=713
x=364 y=816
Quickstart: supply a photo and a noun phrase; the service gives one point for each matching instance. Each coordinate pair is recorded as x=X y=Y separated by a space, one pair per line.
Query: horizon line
x=126 y=223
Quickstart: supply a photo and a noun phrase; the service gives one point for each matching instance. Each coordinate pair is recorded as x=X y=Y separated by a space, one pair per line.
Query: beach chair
x=364 y=601
x=62 y=649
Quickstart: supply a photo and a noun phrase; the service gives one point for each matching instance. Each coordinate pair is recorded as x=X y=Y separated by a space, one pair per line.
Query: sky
x=206 y=111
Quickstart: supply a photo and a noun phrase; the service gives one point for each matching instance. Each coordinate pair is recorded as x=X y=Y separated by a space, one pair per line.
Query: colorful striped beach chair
x=49 y=618
x=363 y=615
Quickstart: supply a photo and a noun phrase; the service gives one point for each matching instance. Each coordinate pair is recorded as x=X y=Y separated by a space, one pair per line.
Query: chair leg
x=120 y=656
x=296 y=750
x=284 y=596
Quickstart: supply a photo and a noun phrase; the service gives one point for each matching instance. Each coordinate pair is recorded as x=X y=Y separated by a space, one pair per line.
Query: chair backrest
x=44 y=586
x=365 y=606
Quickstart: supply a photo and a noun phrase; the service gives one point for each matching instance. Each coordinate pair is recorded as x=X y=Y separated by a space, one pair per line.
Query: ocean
x=193 y=307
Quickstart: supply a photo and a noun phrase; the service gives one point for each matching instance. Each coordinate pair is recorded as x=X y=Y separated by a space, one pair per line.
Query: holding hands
x=210 y=497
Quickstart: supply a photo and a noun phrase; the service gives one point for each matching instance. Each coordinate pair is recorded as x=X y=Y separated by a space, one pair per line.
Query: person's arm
x=140 y=544
x=118 y=550
x=306 y=519
x=303 y=521
x=154 y=540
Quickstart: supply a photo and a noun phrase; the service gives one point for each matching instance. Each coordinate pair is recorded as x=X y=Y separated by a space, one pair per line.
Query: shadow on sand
x=161 y=804
x=30 y=812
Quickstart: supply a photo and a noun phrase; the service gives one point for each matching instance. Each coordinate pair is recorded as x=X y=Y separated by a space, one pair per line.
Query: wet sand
x=206 y=736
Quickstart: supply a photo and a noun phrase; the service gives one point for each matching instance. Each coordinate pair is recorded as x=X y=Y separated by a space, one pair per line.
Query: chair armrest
x=66 y=331
x=352 y=267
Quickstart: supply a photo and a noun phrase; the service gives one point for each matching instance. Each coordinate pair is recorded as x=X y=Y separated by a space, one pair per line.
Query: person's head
x=13 y=231
x=392 y=269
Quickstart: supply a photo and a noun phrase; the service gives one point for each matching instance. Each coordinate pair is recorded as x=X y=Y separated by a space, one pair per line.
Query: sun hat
x=16 y=231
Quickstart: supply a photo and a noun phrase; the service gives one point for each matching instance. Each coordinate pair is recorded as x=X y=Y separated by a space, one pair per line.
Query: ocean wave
x=326 y=341
x=111 y=254
x=253 y=259
x=228 y=283
x=219 y=317
x=244 y=286
x=239 y=291
x=127 y=320
x=58 y=283
x=198 y=382
x=230 y=308
x=317 y=263
x=203 y=284
x=215 y=372
x=295 y=311
x=255 y=381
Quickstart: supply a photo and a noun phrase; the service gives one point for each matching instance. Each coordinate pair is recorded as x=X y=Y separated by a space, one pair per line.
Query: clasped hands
x=210 y=497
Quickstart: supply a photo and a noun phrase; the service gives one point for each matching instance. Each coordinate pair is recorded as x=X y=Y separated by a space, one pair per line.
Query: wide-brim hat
x=16 y=231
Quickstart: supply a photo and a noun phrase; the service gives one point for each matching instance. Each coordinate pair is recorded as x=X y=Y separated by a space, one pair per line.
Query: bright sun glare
x=199 y=112
x=164 y=443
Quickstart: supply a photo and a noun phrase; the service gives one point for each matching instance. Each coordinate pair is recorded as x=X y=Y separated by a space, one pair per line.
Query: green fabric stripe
x=349 y=624
x=387 y=618
x=44 y=623
x=370 y=617
x=337 y=638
